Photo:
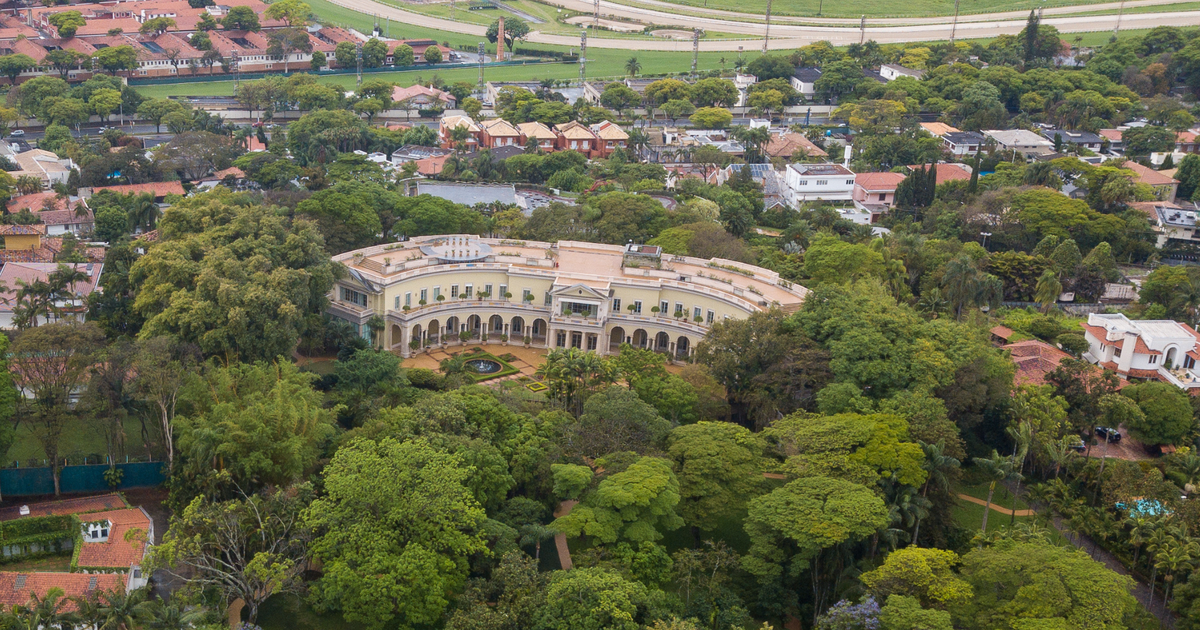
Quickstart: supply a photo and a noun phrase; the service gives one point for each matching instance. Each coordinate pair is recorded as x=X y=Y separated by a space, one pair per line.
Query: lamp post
x=985 y=236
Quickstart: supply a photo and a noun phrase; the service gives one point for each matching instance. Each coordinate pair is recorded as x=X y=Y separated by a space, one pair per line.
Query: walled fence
x=76 y=479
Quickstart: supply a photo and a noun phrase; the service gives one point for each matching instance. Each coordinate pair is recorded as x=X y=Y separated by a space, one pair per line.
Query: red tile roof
x=876 y=182
x=1112 y=134
x=1100 y=333
x=34 y=202
x=22 y=230
x=1002 y=332
x=80 y=505
x=1034 y=360
x=160 y=189
x=1144 y=175
x=65 y=217
x=123 y=548
x=790 y=143
x=948 y=172
x=16 y=589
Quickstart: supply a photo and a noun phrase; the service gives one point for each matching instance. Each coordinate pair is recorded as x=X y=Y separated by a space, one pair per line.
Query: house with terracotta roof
x=1164 y=187
x=790 y=145
x=609 y=137
x=576 y=136
x=939 y=129
x=160 y=190
x=1187 y=142
x=79 y=222
x=1116 y=139
x=1163 y=350
x=877 y=188
x=108 y=540
x=1034 y=359
x=947 y=171
x=421 y=97
x=496 y=133
x=22 y=237
x=448 y=124
x=14 y=274
x=544 y=136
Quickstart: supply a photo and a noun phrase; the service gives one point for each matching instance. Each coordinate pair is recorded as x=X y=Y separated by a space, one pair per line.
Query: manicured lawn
x=80 y=438
x=59 y=563
x=1002 y=497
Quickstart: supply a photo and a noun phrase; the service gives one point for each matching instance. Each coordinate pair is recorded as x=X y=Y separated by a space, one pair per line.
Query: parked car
x=17 y=133
x=1109 y=433
x=1078 y=446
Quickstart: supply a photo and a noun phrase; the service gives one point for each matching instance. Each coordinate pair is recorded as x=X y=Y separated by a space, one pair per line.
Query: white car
x=17 y=133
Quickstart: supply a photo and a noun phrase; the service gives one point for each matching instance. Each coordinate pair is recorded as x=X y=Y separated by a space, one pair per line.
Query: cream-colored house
x=564 y=295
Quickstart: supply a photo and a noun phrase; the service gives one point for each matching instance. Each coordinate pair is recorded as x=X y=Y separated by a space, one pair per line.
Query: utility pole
x=820 y=7
x=696 y=48
x=862 y=27
x=234 y=61
x=1120 y=12
x=596 y=15
x=358 y=59
x=954 y=26
x=767 y=30
x=582 y=56
x=481 y=58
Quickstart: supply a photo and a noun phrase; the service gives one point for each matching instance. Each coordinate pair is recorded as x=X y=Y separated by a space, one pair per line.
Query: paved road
x=645 y=11
x=788 y=36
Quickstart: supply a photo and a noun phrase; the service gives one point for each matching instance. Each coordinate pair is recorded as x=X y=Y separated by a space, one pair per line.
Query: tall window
x=425 y=295
x=408 y=299
x=616 y=305
x=503 y=290
x=454 y=290
x=664 y=307
x=696 y=312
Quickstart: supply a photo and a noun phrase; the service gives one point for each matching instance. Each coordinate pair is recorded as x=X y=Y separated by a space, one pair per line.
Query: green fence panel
x=78 y=479
x=249 y=76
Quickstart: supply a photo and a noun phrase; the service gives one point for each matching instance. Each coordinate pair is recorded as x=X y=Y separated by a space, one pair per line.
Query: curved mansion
x=432 y=289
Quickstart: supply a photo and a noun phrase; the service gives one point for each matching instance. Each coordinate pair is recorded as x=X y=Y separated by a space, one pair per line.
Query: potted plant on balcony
x=528 y=340
x=528 y=298
x=483 y=337
x=441 y=298
x=507 y=295
x=655 y=310
x=483 y=295
x=503 y=339
x=414 y=345
x=404 y=308
x=698 y=319
x=631 y=308
x=566 y=311
x=464 y=337
x=421 y=302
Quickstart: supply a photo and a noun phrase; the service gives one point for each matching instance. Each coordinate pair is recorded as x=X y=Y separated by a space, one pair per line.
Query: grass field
x=80 y=438
x=876 y=8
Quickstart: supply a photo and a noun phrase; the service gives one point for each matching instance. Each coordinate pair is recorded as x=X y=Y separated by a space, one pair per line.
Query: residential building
x=609 y=137
x=414 y=153
x=891 y=72
x=421 y=97
x=446 y=128
x=1187 y=142
x=160 y=190
x=543 y=136
x=1034 y=359
x=42 y=164
x=79 y=222
x=1165 y=188
x=877 y=188
x=946 y=171
x=963 y=143
x=1115 y=138
x=804 y=81
x=568 y=294
x=1020 y=140
x=1171 y=222
x=1075 y=138
x=824 y=181
x=576 y=136
x=1164 y=350
x=938 y=129
x=113 y=540
x=790 y=145
x=13 y=273
x=496 y=133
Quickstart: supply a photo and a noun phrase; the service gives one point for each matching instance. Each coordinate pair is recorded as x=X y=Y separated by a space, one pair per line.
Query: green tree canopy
x=636 y=505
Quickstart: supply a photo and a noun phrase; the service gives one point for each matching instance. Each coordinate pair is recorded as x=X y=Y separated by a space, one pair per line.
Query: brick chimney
x=500 y=39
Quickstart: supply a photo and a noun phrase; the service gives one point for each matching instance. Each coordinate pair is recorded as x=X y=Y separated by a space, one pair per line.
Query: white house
x=891 y=72
x=1020 y=140
x=1163 y=350
x=811 y=182
x=960 y=143
x=804 y=80
x=14 y=273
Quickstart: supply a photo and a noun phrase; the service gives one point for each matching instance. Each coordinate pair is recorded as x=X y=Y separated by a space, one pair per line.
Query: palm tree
x=42 y=612
x=996 y=469
x=1140 y=529
x=1022 y=436
x=1158 y=541
x=633 y=66
x=87 y=612
x=937 y=467
x=1047 y=290
x=143 y=213
x=1178 y=557
x=119 y=609
x=1058 y=452
x=960 y=281
x=160 y=615
x=534 y=534
x=28 y=185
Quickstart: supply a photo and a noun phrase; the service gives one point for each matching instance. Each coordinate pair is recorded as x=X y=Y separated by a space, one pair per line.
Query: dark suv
x=1112 y=435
